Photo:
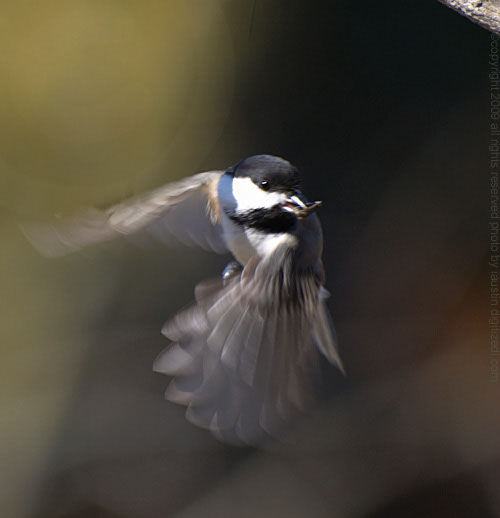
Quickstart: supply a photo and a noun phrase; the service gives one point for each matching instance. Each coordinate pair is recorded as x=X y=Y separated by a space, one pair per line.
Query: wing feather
x=177 y=212
x=324 y=333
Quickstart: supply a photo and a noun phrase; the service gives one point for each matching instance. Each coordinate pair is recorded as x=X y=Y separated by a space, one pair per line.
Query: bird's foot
x=233 y=269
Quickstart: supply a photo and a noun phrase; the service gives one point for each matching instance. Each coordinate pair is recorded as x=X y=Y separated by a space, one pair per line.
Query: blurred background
x=384 y=107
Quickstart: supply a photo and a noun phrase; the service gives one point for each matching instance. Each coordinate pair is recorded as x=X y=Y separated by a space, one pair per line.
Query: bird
x=245 y=357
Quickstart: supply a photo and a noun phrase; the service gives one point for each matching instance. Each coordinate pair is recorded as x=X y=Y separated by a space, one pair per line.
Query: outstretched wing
x=246 y=356
x=182 y=211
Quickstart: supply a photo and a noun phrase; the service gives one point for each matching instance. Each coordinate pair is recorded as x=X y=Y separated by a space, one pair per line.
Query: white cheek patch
x=248 y=196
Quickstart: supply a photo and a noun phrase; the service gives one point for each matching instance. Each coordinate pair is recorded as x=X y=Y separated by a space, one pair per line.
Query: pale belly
x=246 y=243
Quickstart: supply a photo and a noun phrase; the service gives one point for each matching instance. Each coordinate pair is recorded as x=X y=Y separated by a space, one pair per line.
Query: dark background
x=384 y=107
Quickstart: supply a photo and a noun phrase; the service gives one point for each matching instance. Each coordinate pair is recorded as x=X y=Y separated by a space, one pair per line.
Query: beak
x=300 y=207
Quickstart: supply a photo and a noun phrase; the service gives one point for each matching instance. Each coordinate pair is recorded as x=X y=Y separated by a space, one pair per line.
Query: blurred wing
x=182 y=211
x=246 y=356
x=324 y=332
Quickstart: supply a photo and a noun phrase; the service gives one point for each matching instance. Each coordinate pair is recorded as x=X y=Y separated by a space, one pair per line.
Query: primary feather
x=176 y=212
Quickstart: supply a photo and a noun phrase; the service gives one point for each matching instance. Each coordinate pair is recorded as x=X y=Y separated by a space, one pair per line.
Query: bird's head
x=265 y=182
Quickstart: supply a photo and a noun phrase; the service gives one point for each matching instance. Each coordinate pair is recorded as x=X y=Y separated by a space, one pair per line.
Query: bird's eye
x=264 y=185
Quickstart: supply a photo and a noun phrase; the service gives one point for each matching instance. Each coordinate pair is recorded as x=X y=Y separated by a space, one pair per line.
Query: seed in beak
x=310 y=208
x=298 y=207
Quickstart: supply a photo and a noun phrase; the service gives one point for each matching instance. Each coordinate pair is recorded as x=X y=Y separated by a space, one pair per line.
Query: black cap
x=271 y=173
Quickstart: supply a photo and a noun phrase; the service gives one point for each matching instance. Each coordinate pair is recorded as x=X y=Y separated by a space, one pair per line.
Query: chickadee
x=245 y=357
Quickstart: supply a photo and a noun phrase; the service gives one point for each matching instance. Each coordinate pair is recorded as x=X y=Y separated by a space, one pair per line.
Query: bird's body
x=245 y=355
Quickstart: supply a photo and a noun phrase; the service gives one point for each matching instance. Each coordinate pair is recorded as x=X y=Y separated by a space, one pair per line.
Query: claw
x=233 y=269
